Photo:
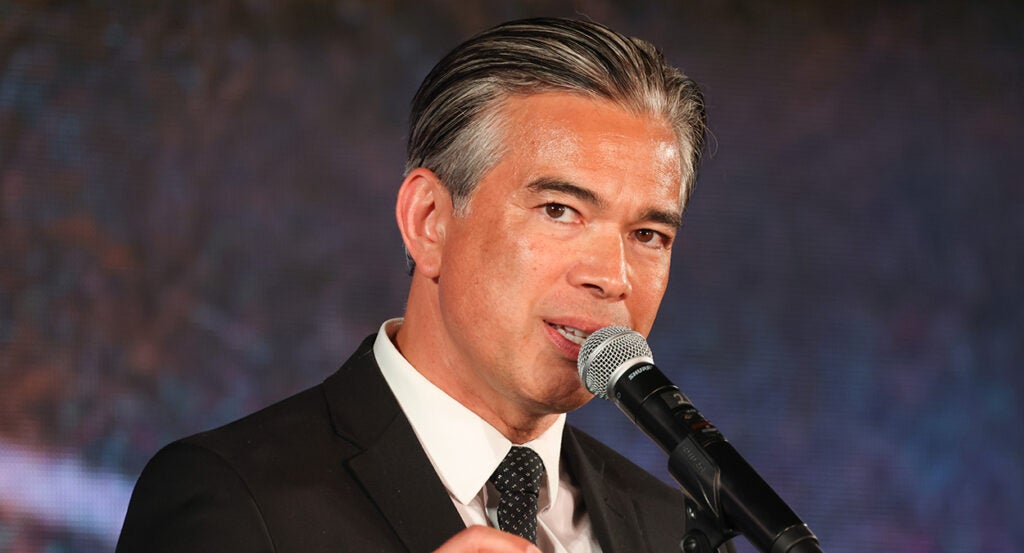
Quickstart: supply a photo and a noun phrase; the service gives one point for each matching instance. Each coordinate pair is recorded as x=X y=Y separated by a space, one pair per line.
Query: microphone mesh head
x=606 y=350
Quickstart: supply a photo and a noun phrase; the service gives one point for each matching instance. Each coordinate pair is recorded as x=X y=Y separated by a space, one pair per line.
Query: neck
x=518 y=429
x=420 y=343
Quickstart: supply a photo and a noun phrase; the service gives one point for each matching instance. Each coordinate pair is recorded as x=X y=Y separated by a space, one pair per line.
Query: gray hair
x=456 y=125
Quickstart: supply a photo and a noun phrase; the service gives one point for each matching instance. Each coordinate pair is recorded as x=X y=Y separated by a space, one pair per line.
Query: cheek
x=500 y=263
x=648 y=290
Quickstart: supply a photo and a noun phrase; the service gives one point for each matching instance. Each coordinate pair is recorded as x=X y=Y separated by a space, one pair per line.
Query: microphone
x=615 y=363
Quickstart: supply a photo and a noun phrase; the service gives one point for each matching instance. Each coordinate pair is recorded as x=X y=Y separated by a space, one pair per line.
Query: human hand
x=483 y=539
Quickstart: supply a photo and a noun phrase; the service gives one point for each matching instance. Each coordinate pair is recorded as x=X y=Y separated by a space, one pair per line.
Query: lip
x=570 y=349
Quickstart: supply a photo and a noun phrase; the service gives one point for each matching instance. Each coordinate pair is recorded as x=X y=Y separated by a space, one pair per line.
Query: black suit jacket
x=338 y=468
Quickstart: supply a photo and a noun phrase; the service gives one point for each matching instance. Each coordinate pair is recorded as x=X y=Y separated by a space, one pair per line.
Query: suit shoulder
x=301 y=421
x=187 y=499
x=295 y=426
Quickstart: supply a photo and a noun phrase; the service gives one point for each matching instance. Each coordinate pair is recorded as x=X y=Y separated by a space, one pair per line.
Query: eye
x=651 y=238
x=559 y=212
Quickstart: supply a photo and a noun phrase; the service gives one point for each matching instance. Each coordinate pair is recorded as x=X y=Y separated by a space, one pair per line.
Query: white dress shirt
x=465 y=450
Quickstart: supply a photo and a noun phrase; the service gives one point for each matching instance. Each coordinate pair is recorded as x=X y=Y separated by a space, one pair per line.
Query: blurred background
x=196 y=221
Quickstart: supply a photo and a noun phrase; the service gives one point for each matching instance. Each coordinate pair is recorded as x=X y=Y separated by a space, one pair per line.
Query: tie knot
x=520 y=472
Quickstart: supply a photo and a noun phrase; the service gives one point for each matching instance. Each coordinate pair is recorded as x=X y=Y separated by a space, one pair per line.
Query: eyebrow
x=669 y=218
x=549 y=184
x=672 y=219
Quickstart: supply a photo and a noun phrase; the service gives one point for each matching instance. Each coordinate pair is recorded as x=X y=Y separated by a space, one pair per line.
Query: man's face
x=569 y=232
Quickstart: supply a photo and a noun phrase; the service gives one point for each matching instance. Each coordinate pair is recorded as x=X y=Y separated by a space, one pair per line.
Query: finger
x=483 y=539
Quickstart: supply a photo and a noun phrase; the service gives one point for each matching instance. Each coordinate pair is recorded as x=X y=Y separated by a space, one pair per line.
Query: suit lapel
x=406 y=489
x=391 y=466
x=612 y=514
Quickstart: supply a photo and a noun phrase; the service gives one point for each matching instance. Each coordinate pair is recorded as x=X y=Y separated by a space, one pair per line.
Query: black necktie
x=518 y=478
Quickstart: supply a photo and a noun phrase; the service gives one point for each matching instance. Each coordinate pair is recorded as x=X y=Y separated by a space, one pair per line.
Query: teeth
x=574 y=335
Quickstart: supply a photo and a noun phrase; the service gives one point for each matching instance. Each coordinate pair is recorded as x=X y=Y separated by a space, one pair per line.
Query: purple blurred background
x=196 y=220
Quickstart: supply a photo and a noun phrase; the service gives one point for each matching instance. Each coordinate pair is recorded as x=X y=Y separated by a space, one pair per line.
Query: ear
x=423 y=209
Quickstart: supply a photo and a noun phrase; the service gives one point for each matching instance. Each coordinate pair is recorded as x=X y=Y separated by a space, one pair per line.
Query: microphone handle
x=707 y=465
x=748 y=503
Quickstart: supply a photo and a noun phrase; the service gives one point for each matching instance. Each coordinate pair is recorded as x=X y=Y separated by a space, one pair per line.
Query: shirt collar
x=463 y=448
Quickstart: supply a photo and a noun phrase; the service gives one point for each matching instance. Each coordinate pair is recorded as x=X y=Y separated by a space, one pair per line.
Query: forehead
x=591 y=141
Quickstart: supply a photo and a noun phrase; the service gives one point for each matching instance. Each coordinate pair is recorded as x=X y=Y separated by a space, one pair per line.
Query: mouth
x=572 y=334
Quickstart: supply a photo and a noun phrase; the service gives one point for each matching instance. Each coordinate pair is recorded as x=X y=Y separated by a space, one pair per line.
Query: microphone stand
x=706 y=530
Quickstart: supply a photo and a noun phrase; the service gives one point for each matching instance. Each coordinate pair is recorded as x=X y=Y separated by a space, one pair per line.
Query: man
x=549 y=162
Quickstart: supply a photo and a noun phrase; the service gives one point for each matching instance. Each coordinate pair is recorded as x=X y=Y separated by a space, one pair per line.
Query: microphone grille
x=606 y=350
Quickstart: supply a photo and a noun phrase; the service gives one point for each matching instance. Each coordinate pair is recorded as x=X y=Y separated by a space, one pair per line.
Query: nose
x=602 y=268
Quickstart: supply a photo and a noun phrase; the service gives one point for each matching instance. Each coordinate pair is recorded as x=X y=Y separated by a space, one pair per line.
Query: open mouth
x=574 y=335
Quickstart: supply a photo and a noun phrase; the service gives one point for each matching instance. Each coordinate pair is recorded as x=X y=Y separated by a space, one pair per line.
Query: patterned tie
x=518 y=478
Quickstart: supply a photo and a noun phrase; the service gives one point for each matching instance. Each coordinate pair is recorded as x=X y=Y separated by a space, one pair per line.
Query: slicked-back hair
x=456 y=125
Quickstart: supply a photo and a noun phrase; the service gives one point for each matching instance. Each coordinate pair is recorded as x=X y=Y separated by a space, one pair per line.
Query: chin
x=570 y=401
x=580 y=402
